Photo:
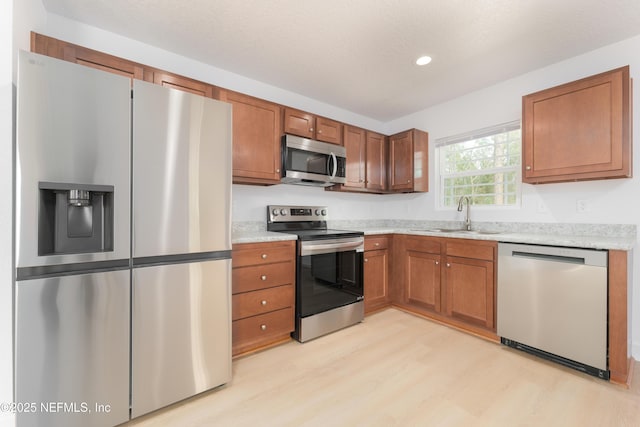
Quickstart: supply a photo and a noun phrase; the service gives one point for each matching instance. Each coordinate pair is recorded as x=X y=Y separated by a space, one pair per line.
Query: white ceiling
x=359 y=54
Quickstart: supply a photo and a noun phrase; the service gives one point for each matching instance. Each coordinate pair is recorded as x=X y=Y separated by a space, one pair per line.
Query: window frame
x=468 y=136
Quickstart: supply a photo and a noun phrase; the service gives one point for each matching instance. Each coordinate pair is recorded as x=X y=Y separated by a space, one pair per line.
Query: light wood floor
x=396 y=369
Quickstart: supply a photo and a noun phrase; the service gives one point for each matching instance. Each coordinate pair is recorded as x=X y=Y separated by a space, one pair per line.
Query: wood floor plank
x=396 y=369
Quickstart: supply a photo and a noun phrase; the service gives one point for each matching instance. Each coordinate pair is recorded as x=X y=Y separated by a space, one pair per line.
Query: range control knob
x=274 y=212
x=283 y=212
x=317 y=212
x=324 y=212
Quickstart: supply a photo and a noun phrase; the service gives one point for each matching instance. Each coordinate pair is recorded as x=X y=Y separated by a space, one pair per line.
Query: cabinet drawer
x=257 y=254
x=253 y=331
x=471 y=249
x=263 y=301
x=423 y=244
x=376 y=243
x=247 y=279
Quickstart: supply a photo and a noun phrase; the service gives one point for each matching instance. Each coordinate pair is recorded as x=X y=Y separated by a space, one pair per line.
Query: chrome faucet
x=467 y=217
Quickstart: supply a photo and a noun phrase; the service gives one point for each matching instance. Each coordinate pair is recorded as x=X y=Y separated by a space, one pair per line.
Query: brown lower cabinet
x=376 y=273
x=450 y=280
x=263 y=294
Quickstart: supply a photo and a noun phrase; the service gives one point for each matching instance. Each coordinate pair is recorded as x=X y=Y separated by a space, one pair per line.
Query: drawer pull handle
x=263 y=327
x=264 y=256
x=263 y=277
x=263 y=302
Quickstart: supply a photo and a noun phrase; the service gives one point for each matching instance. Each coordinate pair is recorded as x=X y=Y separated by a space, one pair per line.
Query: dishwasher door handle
x=547 y=257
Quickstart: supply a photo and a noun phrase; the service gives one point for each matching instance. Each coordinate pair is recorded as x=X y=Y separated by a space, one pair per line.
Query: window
x=484 y=165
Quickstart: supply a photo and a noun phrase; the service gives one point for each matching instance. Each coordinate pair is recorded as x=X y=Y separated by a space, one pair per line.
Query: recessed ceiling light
x=423 y=60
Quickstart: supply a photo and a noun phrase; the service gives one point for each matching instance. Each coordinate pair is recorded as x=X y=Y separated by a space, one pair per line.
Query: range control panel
x=277 y=213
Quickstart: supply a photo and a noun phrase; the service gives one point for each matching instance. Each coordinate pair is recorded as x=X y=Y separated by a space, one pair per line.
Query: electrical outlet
x=583 y=205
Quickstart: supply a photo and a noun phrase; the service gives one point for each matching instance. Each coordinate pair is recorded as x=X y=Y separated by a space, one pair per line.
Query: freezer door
x=181 y=332
x=72 y=350
x=181 y=172
x=73 y=129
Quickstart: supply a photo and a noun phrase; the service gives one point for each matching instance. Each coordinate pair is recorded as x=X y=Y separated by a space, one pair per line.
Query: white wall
x=6 y=210
x=610 y=201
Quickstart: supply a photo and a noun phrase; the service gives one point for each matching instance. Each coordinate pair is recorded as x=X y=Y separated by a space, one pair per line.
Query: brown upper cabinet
x=81 y=55
x=578 y=131
x=376 y=165
x=307 y=125
x=182 y=83
x=256 y=138
x=408 y=161
x=355 y=145
x=366 y=161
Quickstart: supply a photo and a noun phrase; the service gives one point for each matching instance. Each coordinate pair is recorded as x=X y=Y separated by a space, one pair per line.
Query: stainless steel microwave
x=309 y=162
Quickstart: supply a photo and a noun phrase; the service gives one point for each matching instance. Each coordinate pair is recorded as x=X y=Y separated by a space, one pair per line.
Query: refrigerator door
x=72 y=350
x=181 y=172
x=181 y=334
x=74 y=130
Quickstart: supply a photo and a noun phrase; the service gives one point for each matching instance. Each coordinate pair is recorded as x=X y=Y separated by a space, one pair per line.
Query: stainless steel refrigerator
x=122 y=245
x=181 y=330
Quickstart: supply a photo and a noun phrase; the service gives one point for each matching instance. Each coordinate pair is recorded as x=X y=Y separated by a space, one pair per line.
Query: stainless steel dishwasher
x=552 y=302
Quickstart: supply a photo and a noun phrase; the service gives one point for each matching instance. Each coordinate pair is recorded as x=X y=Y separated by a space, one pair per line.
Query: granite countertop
x=592 y=236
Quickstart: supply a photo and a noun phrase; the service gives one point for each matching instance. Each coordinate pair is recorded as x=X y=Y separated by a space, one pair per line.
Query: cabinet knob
x=366 y=260
x=278 y=170
x=320 y=131
x=310 y=129
x=263 y=302
x=263 y=277
x=264 y=256
x=437 y=262
x=528 y=167
x=448 y=265
x=377 y=244
x=408 y=181
x=263 y=327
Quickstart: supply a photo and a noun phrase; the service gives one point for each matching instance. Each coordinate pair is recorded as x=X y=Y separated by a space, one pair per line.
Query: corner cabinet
x=256 y=138
x=263 y=295
x=450 y=280
x=408 y=162
x=578 y=131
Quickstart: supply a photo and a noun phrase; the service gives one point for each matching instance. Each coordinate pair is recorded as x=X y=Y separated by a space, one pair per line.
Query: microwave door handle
x=335 y=166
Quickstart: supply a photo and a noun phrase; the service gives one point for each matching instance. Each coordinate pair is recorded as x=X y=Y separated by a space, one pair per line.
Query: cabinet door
x=299 y=123
x=376 y=279
x=355 y=144
x=182 y=83
x=469 y=291
x=578 y=131
x=91 y=58
x=328 y=130
x=376 y=154
x=401 y=162
x=256 y=139
x=423 y=280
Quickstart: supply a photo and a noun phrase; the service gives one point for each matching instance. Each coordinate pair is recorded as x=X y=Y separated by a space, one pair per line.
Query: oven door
x=329 y=274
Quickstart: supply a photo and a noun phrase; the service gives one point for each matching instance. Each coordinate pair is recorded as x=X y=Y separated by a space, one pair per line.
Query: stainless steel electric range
x=329 y=264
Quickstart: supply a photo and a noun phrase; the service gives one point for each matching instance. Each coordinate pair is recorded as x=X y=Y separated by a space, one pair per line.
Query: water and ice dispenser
x=75 y=218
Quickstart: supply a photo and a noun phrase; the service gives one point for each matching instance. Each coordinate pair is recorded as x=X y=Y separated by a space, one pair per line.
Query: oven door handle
x=332 y=246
